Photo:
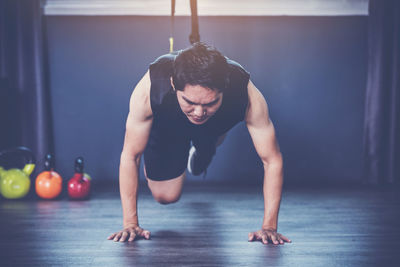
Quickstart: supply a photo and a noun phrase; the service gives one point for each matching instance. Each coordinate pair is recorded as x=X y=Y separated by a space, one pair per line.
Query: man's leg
x=201 y=154
x=167 y=191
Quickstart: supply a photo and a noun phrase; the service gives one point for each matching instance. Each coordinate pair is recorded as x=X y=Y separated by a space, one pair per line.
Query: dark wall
x=311 y=70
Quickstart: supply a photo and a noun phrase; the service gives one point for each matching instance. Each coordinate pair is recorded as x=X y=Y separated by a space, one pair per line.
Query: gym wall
x=311 y=70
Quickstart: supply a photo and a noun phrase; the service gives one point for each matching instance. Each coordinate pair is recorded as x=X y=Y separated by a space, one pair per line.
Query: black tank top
x=169 y=120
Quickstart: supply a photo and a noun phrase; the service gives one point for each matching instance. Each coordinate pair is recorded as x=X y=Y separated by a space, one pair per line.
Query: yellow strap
x=171 y=44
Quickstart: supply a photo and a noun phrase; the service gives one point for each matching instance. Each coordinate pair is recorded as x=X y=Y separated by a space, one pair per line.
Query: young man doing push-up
x=179 y=112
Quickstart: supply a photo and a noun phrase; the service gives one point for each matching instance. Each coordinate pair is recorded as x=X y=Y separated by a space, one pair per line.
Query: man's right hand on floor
x=129 y=234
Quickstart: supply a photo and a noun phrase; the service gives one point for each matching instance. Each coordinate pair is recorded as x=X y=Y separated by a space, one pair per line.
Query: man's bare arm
x=262 y=133
x=138 y=126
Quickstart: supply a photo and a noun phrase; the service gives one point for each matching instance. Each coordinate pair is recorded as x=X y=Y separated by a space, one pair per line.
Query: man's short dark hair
x=201 y=65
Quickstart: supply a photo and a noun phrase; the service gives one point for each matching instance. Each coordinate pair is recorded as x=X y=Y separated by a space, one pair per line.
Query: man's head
x=200 y=77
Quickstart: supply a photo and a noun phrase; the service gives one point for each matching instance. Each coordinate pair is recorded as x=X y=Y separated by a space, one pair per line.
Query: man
x=193 y=97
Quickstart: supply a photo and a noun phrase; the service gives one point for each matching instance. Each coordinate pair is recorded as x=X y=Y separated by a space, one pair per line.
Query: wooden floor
x=207 y=227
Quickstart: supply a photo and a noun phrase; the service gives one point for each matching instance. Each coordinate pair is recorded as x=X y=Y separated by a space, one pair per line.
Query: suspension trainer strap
x=171 y=38
x=194 y=36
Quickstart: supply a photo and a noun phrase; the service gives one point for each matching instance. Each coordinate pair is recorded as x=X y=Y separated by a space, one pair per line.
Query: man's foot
x=198 y=162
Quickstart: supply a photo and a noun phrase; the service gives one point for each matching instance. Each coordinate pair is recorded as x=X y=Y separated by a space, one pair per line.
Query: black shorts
x=167 y=158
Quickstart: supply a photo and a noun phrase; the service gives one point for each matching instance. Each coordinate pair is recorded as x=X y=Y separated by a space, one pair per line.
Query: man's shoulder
x=162 y=67
x=238 y=76
x=237 y=70
x=233 y=63
x=164 y=59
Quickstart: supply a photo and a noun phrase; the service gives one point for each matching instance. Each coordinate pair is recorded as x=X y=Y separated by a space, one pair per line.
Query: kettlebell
x=48 y=183
x=15 y=183
x=79 y=184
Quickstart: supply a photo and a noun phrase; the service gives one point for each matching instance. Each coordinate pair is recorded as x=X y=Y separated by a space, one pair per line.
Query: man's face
x=199 y=103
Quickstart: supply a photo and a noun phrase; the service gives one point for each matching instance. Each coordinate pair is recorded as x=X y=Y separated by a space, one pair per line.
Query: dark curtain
x=382 y=106
x=24 y=96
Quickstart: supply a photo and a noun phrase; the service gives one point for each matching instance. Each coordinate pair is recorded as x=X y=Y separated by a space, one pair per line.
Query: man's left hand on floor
x=268 y=236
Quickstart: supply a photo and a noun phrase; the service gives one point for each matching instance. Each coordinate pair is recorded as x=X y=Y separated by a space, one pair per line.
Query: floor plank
x=207 y=227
